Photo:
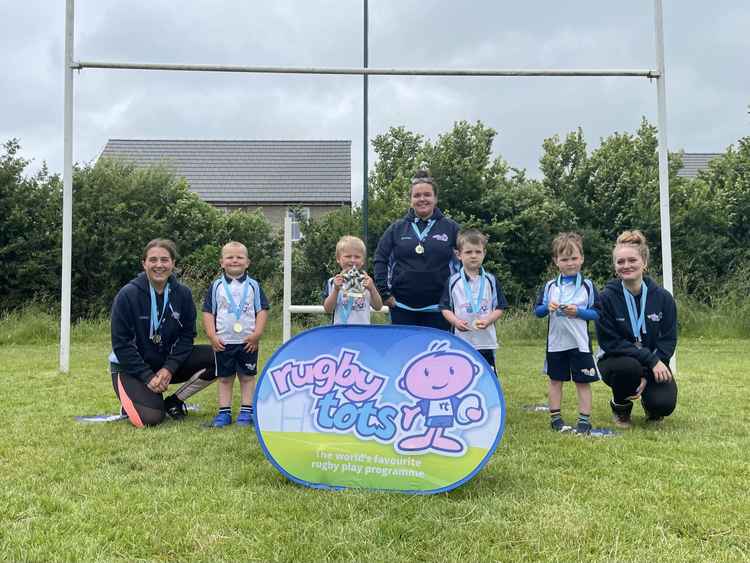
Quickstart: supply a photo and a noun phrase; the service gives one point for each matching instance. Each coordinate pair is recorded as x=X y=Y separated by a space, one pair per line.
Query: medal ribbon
x=421 y=235
x=572 y=295
x=156 y=319
x=346 y=309
x=639 y=324
x=475 y=307
x=236 y=309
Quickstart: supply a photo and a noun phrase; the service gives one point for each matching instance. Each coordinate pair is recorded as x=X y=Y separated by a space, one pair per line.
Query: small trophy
x=354 y=283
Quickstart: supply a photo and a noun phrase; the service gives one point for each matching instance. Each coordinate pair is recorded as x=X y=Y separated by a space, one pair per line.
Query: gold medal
x=156 y=338
x=419 y=249
x=237 y=327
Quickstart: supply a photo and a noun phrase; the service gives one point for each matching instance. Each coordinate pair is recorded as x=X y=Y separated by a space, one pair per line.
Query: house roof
x=224 y=171
x=693 y=162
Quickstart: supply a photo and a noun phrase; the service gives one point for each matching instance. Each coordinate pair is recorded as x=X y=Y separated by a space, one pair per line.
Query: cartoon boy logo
x=436 y=378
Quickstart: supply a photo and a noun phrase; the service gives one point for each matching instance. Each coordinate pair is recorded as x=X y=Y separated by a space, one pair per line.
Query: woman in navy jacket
x=414 y=259
x=153 y=327
x=637 y=332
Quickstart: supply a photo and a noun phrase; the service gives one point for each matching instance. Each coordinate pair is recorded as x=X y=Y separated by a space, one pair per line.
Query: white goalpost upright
x=71 y=64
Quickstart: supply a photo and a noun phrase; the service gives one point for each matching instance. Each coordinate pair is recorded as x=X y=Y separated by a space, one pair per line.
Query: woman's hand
x=661 y=372
x=639 y=390
x=553 y=306
x=160 y=381
x=390 y=302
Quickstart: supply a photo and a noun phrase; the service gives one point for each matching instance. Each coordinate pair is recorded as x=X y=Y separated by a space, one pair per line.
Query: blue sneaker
x=221 y=420
x=245 y=419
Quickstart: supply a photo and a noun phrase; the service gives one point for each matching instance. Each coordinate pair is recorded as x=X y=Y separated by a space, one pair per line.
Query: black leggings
x=146 y=408
x=623 y=374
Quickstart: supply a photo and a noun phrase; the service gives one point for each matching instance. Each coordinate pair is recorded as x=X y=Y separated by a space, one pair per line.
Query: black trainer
x=651 y=418
x=558 y=425
x=583 y=427
x=175 y=408
x=621 y=414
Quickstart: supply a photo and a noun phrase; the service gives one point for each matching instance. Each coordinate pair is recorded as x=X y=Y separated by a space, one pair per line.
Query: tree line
x=119 y=207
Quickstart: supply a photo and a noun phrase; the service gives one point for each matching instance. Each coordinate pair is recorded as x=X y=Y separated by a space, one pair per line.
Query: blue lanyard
x=421 y=235
x=156 y=319
x=639 y=324
x=427 y=309
x=475 y=307
x=346 y=309
x=236 y=309
x=572 y=295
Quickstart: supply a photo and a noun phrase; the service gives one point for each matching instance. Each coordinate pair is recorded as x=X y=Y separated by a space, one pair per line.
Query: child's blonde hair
x=471 y=236
x=233 y=244
x=635 y=239
x=566 y=243
x=348 y=241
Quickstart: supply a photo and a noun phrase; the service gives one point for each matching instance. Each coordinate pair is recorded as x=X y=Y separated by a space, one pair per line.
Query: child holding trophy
x=350 y=294
x=235 y=312
x=473 y=299
x=569 y=301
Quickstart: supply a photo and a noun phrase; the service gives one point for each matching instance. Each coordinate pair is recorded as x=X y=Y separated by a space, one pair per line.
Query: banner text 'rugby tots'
x=383 y=407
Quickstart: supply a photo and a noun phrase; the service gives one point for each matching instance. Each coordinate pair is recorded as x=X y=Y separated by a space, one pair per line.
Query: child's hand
x=463 y=326
x=481 y=324
x=570 y=311
x=553 y=306
x=366 y=282
x=251 y=342
x=338 y=281
x=216 y=343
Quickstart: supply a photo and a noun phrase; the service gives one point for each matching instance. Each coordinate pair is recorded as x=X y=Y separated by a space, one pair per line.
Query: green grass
x=109 y=492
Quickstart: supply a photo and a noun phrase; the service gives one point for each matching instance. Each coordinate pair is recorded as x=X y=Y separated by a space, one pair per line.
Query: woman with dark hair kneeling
x=637 y=332
x=414 y=256
x=153 y=327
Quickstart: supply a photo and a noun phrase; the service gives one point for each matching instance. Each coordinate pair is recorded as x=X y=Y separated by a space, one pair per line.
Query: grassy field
x=181 y=492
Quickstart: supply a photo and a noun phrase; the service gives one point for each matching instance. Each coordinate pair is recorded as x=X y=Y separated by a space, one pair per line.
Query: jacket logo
x=406 y=238
x=442 y=237
x=620 y=319
x=655 y=317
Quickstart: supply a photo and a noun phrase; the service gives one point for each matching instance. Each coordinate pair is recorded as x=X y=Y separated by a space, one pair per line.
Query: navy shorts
x=234 y=359
x=571 y=364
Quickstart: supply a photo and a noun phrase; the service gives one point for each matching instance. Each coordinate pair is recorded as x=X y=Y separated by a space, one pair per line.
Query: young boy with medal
x=569 y=301
x=235 y=312
x=637 y=334
x=473 y=299
x=350 y=295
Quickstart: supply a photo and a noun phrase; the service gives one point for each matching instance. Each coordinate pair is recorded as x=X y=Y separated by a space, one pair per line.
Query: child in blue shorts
x=235 y=312
x=569 y=301
x=472 y=299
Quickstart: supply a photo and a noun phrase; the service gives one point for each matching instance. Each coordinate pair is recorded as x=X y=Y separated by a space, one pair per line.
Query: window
x=297 y=215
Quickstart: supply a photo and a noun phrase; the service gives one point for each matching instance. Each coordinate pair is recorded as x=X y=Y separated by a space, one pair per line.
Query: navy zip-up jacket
x=615 y=335
x=132 y=349
x=416 y=280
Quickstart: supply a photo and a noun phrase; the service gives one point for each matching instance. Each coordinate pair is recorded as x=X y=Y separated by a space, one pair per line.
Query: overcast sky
x=706 y=46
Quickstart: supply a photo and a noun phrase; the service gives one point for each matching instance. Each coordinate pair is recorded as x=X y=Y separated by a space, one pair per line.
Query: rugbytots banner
x=386 y=407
